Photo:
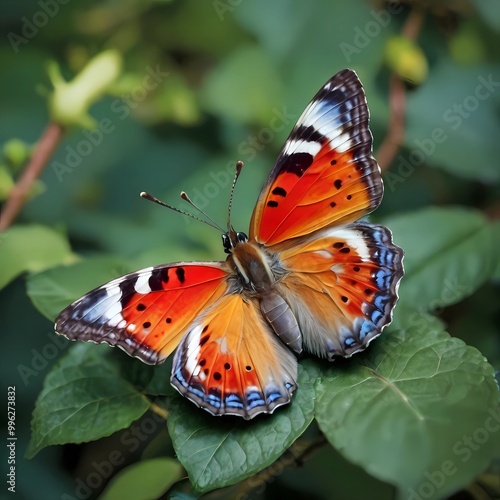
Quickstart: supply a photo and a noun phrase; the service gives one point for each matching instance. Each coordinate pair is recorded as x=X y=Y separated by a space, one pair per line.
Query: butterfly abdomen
x=280 y=317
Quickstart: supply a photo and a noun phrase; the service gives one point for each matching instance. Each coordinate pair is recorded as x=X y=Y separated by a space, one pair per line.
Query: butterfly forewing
x=325 y=173
x=145 y=313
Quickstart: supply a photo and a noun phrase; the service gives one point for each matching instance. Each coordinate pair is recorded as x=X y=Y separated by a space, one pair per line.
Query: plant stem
x=162 y=412
x=295 y=456
x=397 y=99
x=396 y=131
x=44 y=150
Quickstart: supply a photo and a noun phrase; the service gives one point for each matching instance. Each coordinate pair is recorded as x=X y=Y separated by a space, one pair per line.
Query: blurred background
x=201 y=85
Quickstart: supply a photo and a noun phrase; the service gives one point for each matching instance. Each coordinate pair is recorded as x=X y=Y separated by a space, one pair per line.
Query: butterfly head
x=232 y=238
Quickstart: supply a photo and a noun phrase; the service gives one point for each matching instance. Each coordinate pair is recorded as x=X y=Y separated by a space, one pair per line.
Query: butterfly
x=308 y=277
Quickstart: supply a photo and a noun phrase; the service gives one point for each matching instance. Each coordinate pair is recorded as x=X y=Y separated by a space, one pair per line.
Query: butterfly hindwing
x=145 y=313
x=325 y=172
x=342 y=286
x=230 y=362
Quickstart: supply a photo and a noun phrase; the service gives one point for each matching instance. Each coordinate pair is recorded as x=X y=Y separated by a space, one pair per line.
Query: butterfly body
x=307 y=278
x=258 y=273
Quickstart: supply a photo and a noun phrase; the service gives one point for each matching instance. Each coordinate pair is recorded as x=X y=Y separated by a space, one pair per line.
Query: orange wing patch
x=342 y=287
x=230 y=362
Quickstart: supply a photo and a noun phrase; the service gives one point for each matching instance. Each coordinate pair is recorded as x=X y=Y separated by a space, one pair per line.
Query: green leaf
x=52 y=290
x=217 y=452
x=496 y=244
x=279 y=43
x=314 y=478
x=31 y=248
x=449 y=253
x=442 y=123
x=146 y=480
x=243 y=87
x=6 y=182
x=489 y=12
x=83 y=399
x=418 y=410
x=159 y=383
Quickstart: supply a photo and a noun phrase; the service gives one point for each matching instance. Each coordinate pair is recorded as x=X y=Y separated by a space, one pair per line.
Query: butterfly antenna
x=184 y=196
x=239 y=166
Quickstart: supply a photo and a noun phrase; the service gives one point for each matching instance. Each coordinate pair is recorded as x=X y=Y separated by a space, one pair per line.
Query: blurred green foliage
x=204 y=84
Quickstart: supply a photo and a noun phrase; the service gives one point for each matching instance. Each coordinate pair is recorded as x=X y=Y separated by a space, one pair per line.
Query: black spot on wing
x=127 y=287
x=297 y=163
x=157 y=278
x=181 y=274
x=272 y=203
x=279 y=191
x=309 y=134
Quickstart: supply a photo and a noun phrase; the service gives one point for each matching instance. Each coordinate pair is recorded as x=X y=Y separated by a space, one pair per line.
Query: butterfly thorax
x=253 y=267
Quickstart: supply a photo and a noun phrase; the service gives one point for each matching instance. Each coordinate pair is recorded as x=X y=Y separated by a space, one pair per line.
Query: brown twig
x=295 y=456
x=413 y=25
x=396 y=131
x=44 y=150
x=397 y=99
